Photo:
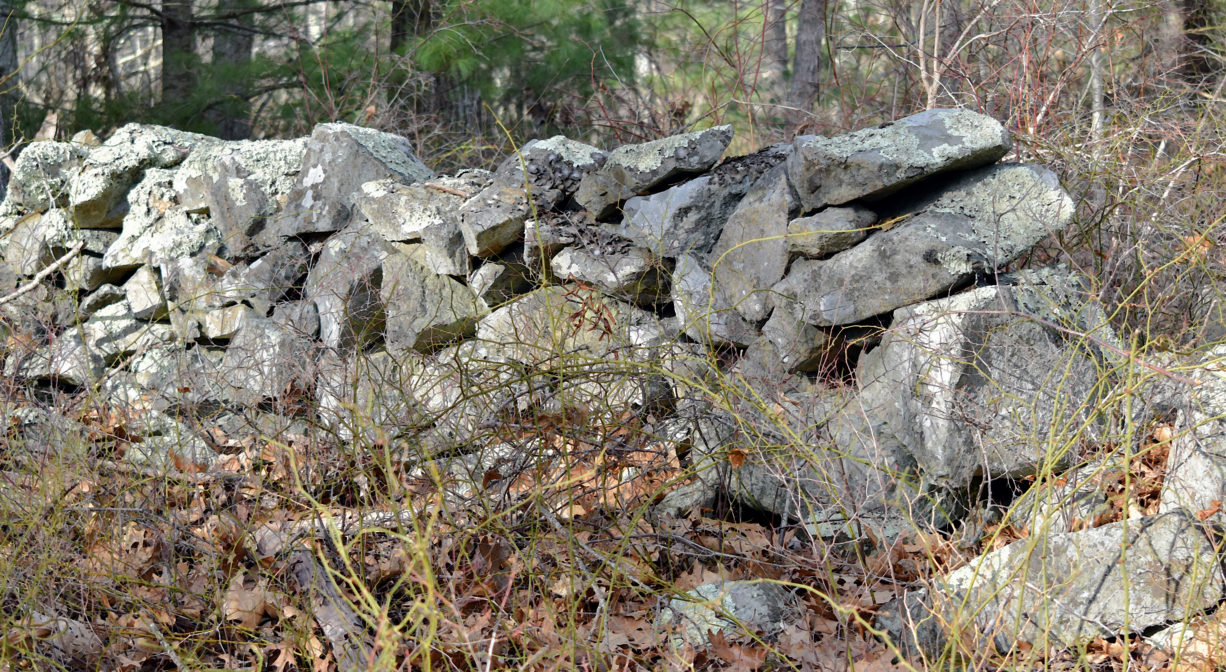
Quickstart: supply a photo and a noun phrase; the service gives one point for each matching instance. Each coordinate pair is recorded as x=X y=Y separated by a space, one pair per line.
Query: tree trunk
x=232 y=43
x=1200 y=20
x=409 y=18
x=8 y=86
x=807 y=64
x=179 y=60
x=775 y=49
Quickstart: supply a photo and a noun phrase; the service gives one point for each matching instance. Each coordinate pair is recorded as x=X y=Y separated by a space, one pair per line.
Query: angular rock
x=829 y=231
x=728 y=607
x=266 y=280
x=36 y=241
x=221 y=324
x=339 y=159
x=1064 y=589
x=156 y=230
x=425 y=212
x=799 y=345
x=878 y=161
x=67 y=361
x=559 y=326
x=552 y=169
x=424 y=310
x=972 y=387
x=144 y=293
x=100 y=298
x=1196 y=464
x=86 y=273
x=689 y=216
x=493 y=219
x=96 y=199
x=633 y=275
x=706 y=313
x=752 y=252
x=369 y=395
x=981 y=222
x=300 y=317
x=241 y=185
x=266 y=361
x=634 y=170
x=345 y=285
x=43 y=174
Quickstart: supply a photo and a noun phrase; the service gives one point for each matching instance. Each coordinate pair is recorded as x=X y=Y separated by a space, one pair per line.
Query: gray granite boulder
x=829 y=231
x=878 y=161
x=688 y=217
x=977 y=224
x=1064 y=589
x=339 y=159
x=751 y=254
x=634 y=170
x=706 y=312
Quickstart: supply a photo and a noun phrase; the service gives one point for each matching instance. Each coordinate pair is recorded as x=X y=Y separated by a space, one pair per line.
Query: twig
x=448 y=190
x=55 y=266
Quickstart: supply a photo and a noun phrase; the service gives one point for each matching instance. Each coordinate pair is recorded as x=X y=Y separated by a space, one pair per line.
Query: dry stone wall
x=841 y=310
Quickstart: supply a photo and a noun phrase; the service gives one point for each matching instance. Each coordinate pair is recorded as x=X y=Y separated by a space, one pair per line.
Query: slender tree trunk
x=232 y=45
x=8 y=86
x=180 y=71
x=775 y=49
x=1098 y=20
x=1198 y=65
x=807 y=64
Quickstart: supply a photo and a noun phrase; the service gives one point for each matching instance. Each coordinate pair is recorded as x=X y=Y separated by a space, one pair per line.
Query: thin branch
x=29 y=287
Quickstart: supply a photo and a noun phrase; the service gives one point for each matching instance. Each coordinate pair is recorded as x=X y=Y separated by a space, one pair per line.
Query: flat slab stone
x=633 y=170
x=981 y=222
x=877 y=161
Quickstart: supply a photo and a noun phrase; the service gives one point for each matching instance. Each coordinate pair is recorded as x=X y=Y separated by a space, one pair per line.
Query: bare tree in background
x=233 y=39
x=180 y=66
x=8 y=85
x=807 y=63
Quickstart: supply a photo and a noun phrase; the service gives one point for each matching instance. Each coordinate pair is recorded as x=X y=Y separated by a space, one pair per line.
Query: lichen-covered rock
x=707 y=314
x=829 y=231
x=424 y=310
x=241 y=186
x=878 y=161
x=265 y=281
x=728 y=606
x=43 y=175
x=557 y=325
x=345 y=284
x=973 y=388
x=96 y=198
x=266 y=360
x=981 y=222
x=1065 y=589
x=157 y=230
x=688 y=217
x=632 y=274
x=551 y=169
x=752 y=252
x=634 y=170
x=425 y=213
x=339 y=159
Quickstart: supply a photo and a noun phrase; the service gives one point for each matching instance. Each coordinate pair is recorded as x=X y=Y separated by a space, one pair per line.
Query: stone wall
x=841 y=310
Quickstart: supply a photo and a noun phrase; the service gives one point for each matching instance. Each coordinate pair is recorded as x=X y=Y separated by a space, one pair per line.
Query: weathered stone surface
x=156 y=230
x=634 y=170
x=424 y=310
x=1069 y=503
x=101 y=297
x=425 y=212
x=1196 y=466
x=978 y=224
x=878 y=161
x=829 y=231
x=67 y=361
x=266 y=280
x=241 y=185
x=752 y=252
x=345 y=284
x=96 y=199
x=339 y=159
x=266 y=360
x=971 y=387
x=144 y=293
x=493 y=219
x=369 y=396
x=551 y=169
x=496 y=283
x=706 y=313
x=728 y=606
x=86 y=273
x=557 y=325
x=799 y=345
x=1065 y=589
x=689 y=216
x=633 y=274
x=221 y=324
x=36 y=241
x=42 y=175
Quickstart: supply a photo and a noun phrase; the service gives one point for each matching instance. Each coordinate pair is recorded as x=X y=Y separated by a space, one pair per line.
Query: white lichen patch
x=391 y=150
x=575 y=153
x=650 y=156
